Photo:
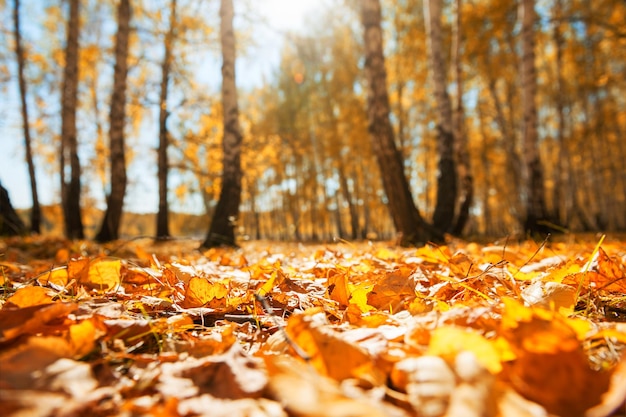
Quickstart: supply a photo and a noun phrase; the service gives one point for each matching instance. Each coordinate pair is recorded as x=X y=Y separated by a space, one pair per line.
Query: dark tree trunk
x=406 y=218
x=533 y=187
x=70 y=163
x=222 y=230
x=10 y=222
x=564 y=182
x=255 y=212
x=35 y=213
x=109 y=230
x=341 y=233
x=162 y=226
x=466 y=180
x=348 y=196
x=443 y=217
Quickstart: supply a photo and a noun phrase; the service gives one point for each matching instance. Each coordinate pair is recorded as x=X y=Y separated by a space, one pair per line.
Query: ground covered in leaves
x=141 y=328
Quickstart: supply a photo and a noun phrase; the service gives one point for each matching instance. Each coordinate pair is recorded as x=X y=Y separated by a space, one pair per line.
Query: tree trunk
x=222 y=230
x=162 y=226
x=70 y=163
x=406 y=218
x=489 y=229
x=533 y=187
x=564 y=182
x=466 y=194
x=341 y=233
x=443 y=217
x=35 y=213
x=109 y=229
x=349 y=197
x=10 y=222
x=256 y=215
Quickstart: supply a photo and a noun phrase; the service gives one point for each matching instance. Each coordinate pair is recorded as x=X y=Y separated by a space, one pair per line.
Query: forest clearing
x=417 y=210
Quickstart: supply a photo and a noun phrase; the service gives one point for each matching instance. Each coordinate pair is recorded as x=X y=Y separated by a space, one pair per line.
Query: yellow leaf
x=82 y=338
x=57 y=276
x=358 y=296
x=434 y=255
x=386 y=254
x=103 y=275
x=449 y=341
x=514 y=313
x=276 y=278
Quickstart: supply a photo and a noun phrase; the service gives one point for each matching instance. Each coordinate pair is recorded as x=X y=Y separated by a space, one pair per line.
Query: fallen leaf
x=103 y=275
x=328 y=352
x=30 y=296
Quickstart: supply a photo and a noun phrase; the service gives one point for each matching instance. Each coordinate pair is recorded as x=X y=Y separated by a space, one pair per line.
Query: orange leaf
x=202 y=292
x=76 y=268
x=337 y=285
x=142 y=254
x=30 y=296
x=31 y=320
x=330 y=354
x=551 y=367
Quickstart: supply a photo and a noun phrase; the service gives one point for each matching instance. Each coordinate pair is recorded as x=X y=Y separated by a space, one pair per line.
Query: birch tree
x=443 y=217
x=109 y=229
x=35 y=213
x=162 y=226
x=69 y=160
x=222 y=229
x=533 y=187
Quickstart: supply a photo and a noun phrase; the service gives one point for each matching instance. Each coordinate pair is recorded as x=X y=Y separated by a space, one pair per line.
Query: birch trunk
x=109 y=229
x=466 y=180
x=533 y=187
x=69 y=161
x=162 y=226
x=222 y=230
x=443 y=217
x=35 y=213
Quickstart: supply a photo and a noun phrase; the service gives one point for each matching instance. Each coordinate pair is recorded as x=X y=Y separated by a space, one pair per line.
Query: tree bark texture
x=162 y=226
x=466 y=180
x=443 y=217
x=406 y=218
x=564 y=181
x=533 y=187
x=35 y=213
x=223 y=224
x=109 y=229
x=70 y=163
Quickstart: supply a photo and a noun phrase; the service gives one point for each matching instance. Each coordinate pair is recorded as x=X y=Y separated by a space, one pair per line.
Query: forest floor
x=139 y=328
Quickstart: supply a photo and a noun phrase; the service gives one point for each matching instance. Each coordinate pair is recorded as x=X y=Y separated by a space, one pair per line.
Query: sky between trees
x=268 y=20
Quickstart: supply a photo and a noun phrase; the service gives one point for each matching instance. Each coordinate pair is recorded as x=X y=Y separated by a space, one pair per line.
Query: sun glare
x=288 y=14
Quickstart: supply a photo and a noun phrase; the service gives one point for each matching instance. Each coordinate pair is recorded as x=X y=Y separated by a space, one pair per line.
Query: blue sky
x=281 y=15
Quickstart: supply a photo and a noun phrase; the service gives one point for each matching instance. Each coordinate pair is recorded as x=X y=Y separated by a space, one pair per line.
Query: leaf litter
x=141 y=328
